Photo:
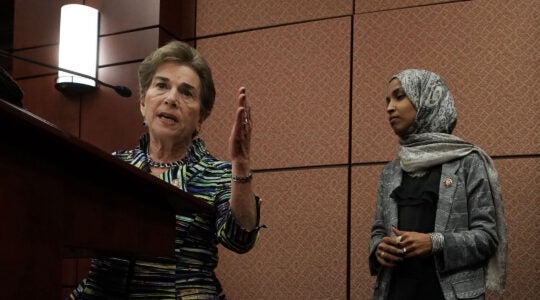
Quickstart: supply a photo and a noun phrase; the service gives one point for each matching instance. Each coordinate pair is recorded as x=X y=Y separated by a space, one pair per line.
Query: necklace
x=167 y=165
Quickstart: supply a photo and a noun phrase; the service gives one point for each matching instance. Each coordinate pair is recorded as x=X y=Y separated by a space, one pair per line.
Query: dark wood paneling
x=127 y=47
x=42 y=99
x=47 y=55
x=6 y=30
x=83 y=265
x=69 y=271
x=125 y=15
x=37 y=22
x=109 y=121
x=178 y=18
x=165 y=37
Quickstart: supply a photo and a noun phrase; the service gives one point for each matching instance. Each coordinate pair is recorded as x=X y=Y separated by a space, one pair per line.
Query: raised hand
x=242 y=198
x=240 y=137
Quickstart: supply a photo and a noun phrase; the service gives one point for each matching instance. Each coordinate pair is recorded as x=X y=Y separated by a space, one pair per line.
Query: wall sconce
x=78 y=48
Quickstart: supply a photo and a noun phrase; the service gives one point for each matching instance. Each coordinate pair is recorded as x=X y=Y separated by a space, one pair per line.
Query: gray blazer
x=465 y=216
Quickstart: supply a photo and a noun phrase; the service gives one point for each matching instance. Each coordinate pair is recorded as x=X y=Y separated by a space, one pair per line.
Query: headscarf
x=435 y=110
x=429 y=142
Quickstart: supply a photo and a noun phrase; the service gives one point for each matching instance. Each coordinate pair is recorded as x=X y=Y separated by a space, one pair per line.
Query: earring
x=144 y=123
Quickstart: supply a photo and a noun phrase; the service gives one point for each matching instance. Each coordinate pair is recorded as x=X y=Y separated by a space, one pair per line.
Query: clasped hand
x=406 y=244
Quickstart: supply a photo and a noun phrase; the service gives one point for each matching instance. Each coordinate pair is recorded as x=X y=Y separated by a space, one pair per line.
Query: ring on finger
x=382 y=254
x=404 y=250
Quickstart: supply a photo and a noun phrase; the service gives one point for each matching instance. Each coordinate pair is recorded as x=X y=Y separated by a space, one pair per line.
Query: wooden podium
x=61 y=197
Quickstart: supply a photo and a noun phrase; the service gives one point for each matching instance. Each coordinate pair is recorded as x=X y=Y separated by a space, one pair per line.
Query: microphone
x=122 y=90
x=119 y=89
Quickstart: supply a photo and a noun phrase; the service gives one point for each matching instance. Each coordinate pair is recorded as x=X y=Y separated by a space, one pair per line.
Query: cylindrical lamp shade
x=78 y=46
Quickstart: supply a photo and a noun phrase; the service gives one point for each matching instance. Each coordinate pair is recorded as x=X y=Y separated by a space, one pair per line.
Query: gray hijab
x=429 y=142
x=435 y=110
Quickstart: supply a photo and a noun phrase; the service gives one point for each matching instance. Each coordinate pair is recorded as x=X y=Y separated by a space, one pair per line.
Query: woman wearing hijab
x=439 y=230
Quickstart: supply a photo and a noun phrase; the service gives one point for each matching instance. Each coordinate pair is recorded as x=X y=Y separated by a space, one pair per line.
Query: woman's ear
x=142 y=106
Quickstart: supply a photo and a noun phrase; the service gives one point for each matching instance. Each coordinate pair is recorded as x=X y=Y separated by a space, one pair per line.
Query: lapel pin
x=447 y=182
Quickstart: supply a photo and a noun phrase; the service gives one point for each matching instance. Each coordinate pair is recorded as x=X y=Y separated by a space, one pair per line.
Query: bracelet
x=437 y=241
x=242 y=179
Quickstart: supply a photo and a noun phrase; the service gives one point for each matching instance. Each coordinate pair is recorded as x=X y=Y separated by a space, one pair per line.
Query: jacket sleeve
x=470 y=236
x=229 y=233
x=378 y=229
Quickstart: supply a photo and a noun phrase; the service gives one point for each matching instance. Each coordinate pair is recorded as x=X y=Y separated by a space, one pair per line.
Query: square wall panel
x=109 y=121
x=125 y=15
x=364 y=181
x=126 y=47
x=178 y=17
x=297 y=80
x=37 y=22
x=303 y=252
x=486 y=51
x=520 y=186
x=219 y=16
x=43 y=100
x=46 y=55
x=378 y=5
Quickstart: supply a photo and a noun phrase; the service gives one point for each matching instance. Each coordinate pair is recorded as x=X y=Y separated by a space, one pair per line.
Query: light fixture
x=78 y=48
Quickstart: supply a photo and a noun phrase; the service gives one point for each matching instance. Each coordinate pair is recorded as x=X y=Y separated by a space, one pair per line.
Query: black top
x=416 y=197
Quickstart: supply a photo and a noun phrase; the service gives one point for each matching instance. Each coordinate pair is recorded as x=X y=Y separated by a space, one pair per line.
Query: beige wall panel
x=297 y=80
x=377 y=5
x=124 y=15
x=485 y=50
x=136 y=45
x=109 y=121
x=363 y=199
x=219 y=16
x=37 y=22
x=43 y=100
x=520 y=184
x=302 y=254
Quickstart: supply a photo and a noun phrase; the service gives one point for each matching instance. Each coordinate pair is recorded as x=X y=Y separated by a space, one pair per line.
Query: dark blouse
x=416 y=197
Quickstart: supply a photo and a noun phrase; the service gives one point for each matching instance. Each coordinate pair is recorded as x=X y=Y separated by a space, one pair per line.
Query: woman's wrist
x=242 y=178
x=240 y=167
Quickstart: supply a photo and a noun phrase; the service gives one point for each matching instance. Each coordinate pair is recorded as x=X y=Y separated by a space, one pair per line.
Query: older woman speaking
x=176 y=97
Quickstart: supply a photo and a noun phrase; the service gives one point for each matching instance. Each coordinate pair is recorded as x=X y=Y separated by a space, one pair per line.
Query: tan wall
x=315 y=73
x=311 y=67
